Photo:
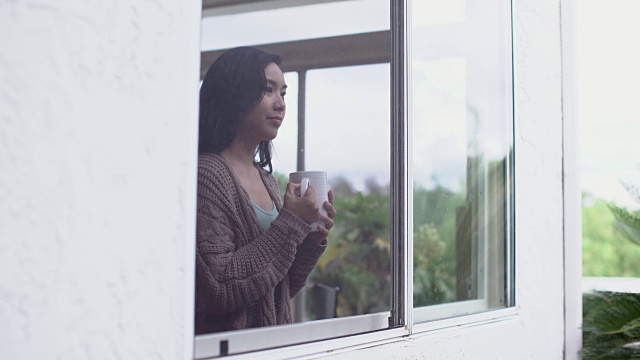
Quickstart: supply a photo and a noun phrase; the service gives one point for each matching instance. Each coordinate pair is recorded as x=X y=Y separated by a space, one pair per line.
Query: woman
x=253 y=252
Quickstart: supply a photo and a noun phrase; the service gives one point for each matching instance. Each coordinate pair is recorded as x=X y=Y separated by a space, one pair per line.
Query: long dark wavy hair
x=234 y=83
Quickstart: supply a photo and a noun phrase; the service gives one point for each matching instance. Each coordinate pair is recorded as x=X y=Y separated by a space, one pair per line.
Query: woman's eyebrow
x=274 y=83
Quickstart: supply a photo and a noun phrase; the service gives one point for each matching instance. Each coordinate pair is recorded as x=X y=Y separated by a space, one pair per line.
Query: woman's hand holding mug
x=302 y=206
x=316 y=180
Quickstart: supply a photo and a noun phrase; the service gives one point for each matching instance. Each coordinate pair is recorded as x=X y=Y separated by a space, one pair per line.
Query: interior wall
x=98 y=134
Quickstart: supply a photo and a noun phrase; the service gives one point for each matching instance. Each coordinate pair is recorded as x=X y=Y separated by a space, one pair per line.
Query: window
x=425 y=206
x=462 y=158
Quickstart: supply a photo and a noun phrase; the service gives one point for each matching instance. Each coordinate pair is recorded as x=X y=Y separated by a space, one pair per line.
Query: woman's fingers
x=323 y=232
x=328 y=205
x=327 y=221
x=331 y=211
x=302 y=206
x=311 y=193
x=292 y=188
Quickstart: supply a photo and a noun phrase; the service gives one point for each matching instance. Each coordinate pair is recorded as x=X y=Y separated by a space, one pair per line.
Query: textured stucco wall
x=98 y=133
x=538 y=330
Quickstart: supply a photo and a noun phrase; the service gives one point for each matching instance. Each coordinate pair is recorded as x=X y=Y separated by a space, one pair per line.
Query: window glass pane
x=432 y=12
x=462 y=141
x=337 y=120
x=347 y=134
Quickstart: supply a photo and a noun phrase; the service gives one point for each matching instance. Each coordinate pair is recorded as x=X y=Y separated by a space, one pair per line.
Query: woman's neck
x=240 y=154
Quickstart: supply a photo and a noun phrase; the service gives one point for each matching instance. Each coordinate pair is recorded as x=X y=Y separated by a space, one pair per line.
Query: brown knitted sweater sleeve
x=306 y=259
x=307 y=254
x=236 y=264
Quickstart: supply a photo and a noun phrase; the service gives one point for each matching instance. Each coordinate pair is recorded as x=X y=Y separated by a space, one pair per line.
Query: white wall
x=98 y=133
x=98 y=108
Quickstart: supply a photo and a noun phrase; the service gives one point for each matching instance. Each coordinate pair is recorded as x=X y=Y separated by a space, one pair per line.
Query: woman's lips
x=275 y=119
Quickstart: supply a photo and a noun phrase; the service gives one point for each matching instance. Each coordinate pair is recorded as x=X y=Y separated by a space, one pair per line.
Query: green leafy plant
x=357 y=260
x=628 y=221
x=611 y=320
x=605 y=253
x=611 y=325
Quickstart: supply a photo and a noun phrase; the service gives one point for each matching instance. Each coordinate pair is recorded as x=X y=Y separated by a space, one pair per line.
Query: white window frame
x=433 y=313
x=319 y=336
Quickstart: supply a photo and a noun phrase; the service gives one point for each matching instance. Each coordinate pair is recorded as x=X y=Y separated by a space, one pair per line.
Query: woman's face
x=262 y=121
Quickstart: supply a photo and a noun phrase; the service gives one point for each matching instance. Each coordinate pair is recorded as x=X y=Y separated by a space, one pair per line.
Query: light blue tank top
x=265 y=217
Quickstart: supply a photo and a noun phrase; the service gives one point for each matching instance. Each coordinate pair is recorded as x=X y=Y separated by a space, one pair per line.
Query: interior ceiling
x=226 y=7
x=328 y=52
x=302 y=55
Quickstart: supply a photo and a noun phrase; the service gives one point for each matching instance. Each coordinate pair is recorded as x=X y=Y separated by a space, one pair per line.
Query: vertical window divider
x=510 y=281
x=510 y=225
x=302 y=95
x=300 y=299
x=401 y=185
x=408 y=74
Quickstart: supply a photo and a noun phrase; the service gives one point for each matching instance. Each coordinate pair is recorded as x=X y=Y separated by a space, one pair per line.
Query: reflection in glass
x=462 y=137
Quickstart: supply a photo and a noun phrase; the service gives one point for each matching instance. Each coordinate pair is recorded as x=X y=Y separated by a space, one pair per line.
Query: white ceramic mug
x=317 y=179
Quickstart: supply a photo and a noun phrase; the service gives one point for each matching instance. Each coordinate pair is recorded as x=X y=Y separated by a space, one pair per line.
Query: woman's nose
x=279 y=104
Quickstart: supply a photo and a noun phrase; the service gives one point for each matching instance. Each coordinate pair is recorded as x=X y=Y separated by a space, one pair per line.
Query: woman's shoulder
x=210 y=160
x=213 y=169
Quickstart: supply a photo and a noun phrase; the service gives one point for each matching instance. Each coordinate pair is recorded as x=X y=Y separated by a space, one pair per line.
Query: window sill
x=381 y=337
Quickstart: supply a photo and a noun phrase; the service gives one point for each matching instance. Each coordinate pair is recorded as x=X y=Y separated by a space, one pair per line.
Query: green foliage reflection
x=434 y=257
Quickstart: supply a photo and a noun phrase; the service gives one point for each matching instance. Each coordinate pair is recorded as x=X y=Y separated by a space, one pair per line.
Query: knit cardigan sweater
x=245 y=276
